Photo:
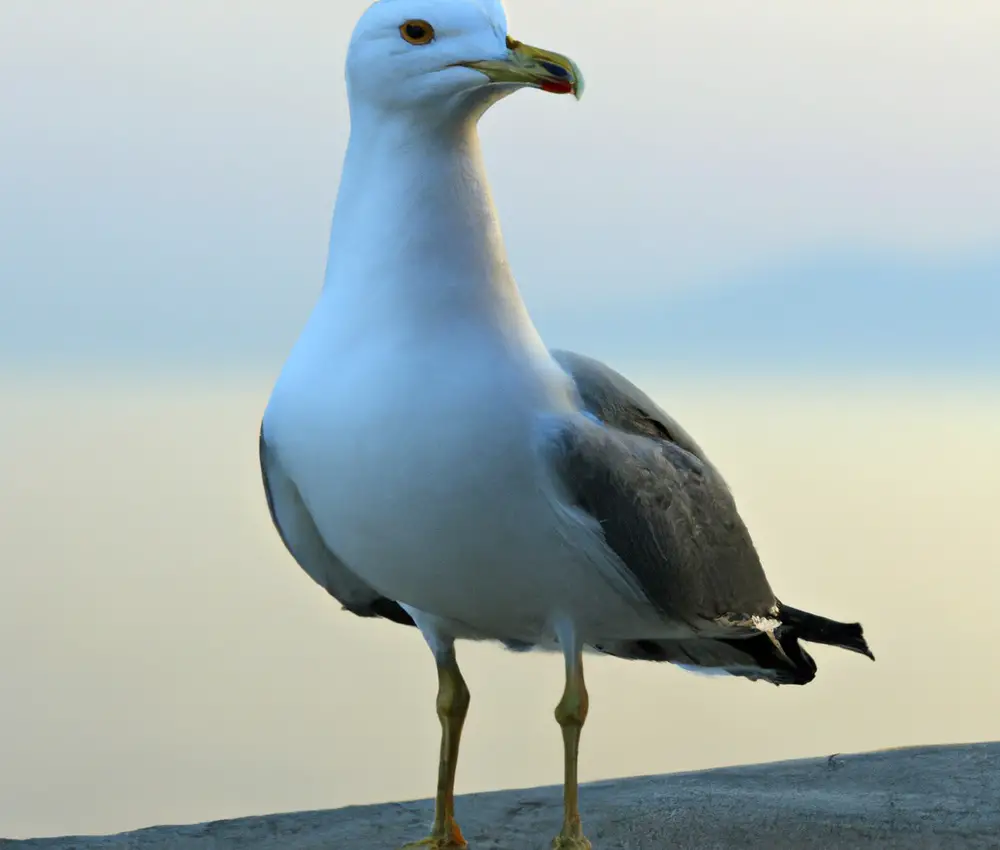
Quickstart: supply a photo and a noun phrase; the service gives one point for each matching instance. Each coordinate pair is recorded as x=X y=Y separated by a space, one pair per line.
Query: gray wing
x=302 y=539
x=614 y=399
x=670 y=518
x=664 y=509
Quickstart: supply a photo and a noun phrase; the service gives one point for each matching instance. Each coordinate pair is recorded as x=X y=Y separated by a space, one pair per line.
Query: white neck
x=415 y=236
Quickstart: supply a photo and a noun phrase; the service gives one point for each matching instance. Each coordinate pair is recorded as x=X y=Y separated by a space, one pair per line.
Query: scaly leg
x=452 y=706
x=570 y=715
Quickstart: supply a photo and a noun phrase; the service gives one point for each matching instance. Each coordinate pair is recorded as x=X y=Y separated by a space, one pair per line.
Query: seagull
x=428 y=460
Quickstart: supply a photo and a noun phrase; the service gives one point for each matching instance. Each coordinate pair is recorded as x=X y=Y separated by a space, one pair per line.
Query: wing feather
x=668 y=517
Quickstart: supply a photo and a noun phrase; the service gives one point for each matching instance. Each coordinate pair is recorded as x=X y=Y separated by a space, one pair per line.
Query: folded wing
x=669 y=517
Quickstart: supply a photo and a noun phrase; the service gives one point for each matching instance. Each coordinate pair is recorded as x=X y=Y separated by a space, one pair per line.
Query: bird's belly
x=470 y=539
x=441 y=506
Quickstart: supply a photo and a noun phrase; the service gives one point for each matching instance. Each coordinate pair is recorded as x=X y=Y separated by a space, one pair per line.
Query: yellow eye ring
x=417 y=32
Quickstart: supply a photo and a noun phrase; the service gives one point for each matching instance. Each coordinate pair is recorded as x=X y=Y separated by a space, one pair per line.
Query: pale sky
x=168 y=169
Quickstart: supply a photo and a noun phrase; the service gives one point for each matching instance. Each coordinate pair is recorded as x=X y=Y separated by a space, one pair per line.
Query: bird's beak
x=531 y=66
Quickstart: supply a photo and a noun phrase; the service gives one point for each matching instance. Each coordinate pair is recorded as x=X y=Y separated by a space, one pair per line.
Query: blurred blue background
x=779 y=184
x=783 y=219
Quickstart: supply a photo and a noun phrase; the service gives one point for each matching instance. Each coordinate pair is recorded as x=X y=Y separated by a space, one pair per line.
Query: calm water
x=163 y=660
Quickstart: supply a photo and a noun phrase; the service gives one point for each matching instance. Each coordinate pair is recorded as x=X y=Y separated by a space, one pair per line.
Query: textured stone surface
x=934 y=797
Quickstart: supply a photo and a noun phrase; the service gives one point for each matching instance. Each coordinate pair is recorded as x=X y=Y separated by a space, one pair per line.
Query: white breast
x=418 y=464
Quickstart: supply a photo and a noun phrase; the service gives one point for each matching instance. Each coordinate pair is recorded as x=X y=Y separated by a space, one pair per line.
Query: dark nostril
x=555 y=70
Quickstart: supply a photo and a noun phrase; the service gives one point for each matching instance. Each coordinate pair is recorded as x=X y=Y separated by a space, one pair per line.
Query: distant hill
x=834 y=315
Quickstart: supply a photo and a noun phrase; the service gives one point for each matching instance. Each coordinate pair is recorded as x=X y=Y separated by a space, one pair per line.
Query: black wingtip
x=381 y=607
x=816 y=629
x=852 y=638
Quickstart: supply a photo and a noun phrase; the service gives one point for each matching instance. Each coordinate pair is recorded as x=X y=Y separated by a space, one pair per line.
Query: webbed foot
x=565 y=842
x=445 y=838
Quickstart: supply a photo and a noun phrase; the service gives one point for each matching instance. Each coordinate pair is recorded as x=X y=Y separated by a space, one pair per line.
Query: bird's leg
x=570 y=715
x=452 y=706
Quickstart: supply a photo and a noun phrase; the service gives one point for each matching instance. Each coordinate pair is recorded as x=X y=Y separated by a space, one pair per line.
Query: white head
x=450 y=57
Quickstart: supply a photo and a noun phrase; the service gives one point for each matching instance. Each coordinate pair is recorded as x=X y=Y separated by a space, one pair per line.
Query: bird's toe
x=450 y=839
x=566 y=842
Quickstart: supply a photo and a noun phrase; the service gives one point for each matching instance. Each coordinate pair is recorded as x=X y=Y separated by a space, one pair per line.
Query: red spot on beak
x=557 y=87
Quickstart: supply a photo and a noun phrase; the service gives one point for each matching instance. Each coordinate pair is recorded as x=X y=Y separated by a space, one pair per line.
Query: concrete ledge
x=928 y=797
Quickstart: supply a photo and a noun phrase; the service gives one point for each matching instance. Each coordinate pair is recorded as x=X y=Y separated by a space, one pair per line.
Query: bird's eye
x=417 y=32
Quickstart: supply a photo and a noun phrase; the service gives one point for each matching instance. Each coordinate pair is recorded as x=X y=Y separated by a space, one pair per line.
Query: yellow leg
x=570 y=715
x=452 y=706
